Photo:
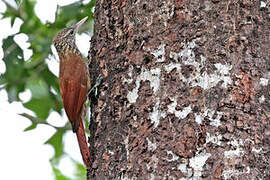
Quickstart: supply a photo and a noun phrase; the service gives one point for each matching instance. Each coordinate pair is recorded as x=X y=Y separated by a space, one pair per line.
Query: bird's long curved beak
x=76 y=27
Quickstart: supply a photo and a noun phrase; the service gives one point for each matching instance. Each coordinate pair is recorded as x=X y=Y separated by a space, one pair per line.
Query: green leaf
x=28 y=8
x=33 y=120
x=12 y=20
x=72 y=9
x=57 y=173
x=18 y=2
x=10 y=12
x=80 y=170
x=15 y=71
x=50 y=78
x=32 y=126
x=43 y=101
x=38 y=88
x=57 y=142
x=41 y=106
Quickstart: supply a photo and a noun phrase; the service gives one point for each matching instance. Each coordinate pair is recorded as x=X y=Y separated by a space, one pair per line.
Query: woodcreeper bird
x=74 y=83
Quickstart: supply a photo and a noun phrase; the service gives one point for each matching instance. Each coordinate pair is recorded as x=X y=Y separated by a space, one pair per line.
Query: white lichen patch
x=194 y=168
x=256 y=150
x=215 y=139
x=152 y=176
x=126 y=146
x=151 y=146
x=199 y=77
x=133 y=95
x=198 y=118
x=178 y=113
x=262 y=99
x=198 y=162
x=264 y=81
x=126 y=177
x=229 y=173
x=187 y=55
x=159 y=53
x=210 y=115
x=223 y=74
x=156 y=114
x=183 y=167
x=236 y=143
x=213 y=121
x=236 y=151
x=110 y=152
x=207 y=81
x=130 y=74
x=262 y=4
x=168 y=68
x=174 y=156
x=153 y=76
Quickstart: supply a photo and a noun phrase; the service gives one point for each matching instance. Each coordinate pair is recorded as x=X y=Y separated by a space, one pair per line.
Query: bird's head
x=65 y=39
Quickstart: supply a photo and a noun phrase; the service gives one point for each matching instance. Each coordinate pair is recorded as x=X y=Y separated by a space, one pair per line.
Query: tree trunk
x=185 y=91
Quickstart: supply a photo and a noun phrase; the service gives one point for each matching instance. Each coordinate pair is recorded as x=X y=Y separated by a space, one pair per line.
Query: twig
x=36 y=120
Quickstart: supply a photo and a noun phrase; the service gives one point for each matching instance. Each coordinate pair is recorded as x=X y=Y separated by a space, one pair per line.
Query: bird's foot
x=95 y=87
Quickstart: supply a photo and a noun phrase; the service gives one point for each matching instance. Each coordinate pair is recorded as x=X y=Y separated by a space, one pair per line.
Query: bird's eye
x=72 y=31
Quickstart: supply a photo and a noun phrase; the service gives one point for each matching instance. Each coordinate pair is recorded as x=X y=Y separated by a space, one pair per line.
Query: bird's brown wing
x=74 y=88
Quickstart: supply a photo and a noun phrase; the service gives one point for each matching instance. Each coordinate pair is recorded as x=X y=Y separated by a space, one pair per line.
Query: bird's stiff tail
x=83 y=146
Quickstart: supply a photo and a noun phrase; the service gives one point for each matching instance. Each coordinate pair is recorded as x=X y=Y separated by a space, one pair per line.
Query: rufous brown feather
x=74 y=84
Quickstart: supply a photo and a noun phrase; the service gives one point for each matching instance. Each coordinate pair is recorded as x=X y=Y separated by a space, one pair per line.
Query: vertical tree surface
x=185 y=91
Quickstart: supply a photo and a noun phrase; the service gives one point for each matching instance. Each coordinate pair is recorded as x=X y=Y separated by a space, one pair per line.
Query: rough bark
x=186 y=89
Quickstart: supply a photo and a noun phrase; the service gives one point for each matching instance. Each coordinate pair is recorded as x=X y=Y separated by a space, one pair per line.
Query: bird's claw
x=95 y=87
